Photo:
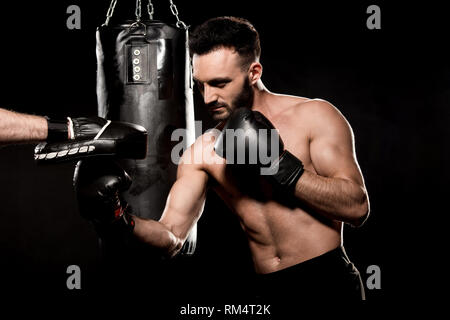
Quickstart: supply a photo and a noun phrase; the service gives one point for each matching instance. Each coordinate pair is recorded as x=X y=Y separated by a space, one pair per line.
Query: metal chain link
x=138 y=10
x=150 y=9
x=174 y=10
x=110 y=12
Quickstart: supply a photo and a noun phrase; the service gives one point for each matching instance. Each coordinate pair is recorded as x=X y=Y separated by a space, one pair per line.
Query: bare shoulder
x=318 y=115
x=315 y=108
x=201 y=153
x=301 y=106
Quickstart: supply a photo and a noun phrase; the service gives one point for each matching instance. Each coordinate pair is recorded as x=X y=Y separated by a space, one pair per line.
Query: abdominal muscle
x=280 y=237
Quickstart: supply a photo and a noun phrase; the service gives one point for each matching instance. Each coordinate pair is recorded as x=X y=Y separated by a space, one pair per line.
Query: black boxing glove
x=249 y=139
x=73 y=128
x=79 y=138
x=98 y=184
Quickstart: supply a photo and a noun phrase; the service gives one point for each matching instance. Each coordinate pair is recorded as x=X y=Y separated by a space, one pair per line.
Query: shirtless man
x=294 y=227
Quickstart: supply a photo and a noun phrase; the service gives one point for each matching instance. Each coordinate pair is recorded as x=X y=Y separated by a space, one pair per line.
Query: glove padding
x=94 y=137
x=256 y=144
x=98 y=184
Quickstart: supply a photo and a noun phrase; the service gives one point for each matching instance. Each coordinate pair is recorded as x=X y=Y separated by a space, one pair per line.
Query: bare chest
x=241 y=189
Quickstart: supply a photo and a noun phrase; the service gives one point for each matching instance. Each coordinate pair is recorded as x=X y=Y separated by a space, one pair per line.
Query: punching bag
x=144 y=77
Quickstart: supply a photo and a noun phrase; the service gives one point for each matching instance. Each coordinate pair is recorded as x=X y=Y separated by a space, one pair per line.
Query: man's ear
x=255 y=72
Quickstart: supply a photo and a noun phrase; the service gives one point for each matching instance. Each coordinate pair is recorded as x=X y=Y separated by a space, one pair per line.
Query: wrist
x=122 y=227
x=287 y=171
x=123 y=220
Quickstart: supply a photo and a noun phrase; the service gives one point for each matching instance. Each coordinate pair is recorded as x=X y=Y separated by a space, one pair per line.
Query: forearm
x=18 y=127
x=335 y=198
x=184 y=207
x=157 y=235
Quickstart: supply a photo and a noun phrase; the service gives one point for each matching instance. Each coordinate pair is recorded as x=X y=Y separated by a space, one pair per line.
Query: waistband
x=325 y=261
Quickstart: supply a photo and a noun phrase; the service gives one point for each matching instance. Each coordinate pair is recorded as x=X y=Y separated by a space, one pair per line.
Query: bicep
x=332 y=146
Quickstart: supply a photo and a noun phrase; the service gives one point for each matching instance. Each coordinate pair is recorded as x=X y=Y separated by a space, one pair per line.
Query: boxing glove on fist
x=80 y=138
x=98 y=184
x=249 y=138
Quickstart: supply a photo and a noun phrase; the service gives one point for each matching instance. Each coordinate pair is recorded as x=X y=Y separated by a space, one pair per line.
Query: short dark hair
x=226 y=32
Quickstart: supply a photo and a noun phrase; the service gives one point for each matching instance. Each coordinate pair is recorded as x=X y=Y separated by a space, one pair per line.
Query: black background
x=391 y=84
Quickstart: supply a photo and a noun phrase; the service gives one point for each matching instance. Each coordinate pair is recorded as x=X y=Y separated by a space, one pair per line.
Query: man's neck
x=261 y=97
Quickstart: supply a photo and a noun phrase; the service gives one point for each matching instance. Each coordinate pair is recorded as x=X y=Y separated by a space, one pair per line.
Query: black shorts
x=328 y=277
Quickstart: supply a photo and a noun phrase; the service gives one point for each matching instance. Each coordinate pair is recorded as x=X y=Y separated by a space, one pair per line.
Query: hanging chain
x=110 y=12
x=174 y=10
x=138 y=10
x=150 y=9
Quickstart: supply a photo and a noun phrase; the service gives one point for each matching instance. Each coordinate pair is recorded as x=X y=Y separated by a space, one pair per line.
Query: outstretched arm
x=183 y=208
x=19 y=127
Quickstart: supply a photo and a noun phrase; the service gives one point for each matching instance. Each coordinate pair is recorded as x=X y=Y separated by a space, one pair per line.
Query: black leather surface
x=160 y=99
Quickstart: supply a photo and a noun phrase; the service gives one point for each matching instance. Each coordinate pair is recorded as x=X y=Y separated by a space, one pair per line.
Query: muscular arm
x=18 y=127
x=337 y=190
x=183 y=208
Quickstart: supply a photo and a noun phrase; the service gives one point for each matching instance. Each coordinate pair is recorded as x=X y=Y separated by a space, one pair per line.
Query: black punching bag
x=144 y=77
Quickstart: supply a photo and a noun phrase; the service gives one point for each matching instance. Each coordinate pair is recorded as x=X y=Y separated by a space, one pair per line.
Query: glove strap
x=290 y=169
x=57 y=130
x=127 y=222
x=122 y=226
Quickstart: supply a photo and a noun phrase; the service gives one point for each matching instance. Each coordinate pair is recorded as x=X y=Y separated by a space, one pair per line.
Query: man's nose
x=209 y=95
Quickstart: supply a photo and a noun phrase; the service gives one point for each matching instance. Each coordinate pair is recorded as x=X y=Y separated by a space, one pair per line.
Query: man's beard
x=243 y=100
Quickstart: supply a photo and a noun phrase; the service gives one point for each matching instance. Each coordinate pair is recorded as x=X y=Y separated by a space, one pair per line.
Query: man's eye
x=200 y=85
x=220 y=85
